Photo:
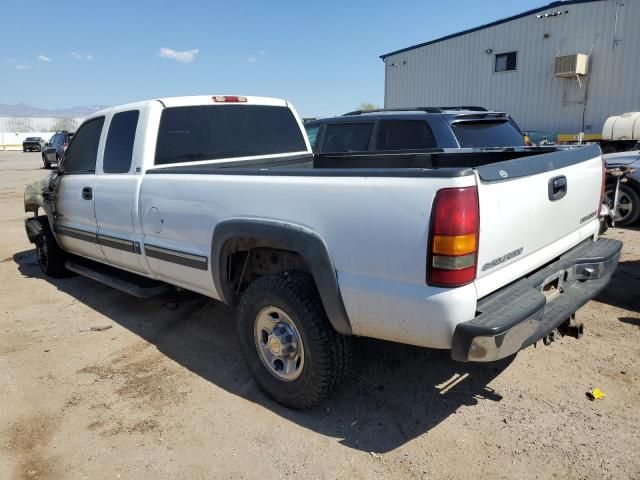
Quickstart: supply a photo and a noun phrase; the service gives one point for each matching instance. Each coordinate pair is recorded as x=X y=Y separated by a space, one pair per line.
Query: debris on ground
x=100 y=328
x=595 y=394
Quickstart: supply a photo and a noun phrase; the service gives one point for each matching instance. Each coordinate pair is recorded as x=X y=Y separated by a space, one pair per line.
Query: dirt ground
x=164 y=392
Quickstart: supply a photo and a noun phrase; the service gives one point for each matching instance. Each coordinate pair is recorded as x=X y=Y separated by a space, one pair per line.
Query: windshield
x=487 y=134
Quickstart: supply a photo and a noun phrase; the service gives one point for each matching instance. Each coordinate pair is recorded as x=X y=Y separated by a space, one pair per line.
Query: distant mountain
x=24 y=110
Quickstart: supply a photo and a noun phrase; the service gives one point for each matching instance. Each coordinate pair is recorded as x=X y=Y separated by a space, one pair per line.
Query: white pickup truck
x=482 y=252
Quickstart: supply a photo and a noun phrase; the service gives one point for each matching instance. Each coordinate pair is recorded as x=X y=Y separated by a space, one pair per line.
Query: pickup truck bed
x=436 y=248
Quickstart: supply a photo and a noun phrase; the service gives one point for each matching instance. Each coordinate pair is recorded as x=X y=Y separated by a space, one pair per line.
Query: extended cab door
x=116 y=189
x=76 y=221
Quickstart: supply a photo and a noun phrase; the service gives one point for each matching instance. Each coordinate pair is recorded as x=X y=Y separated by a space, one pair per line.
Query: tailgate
x=532 y=210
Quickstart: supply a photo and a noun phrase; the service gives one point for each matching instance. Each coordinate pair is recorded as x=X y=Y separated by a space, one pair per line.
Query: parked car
x=33 y=143
x=223 y=196
x=413 y=129
x=628 y=205
x=54 y=149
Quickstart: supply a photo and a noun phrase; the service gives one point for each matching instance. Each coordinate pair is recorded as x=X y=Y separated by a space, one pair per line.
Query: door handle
x=87 y=193
x=557 y=188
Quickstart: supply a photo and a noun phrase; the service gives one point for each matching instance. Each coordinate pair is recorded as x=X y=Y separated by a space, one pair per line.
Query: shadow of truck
x=392 y=393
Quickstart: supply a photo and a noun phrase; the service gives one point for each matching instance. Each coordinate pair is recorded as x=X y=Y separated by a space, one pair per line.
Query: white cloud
x=261 y=52
x=185 y=56
x=23 y=66
x=10 y=60
x=80 y=56
x=252 y=60
x=43 y=58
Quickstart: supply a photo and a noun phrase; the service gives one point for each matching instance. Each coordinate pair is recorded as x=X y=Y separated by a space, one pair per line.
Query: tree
x=366 y=106
x=68 y=124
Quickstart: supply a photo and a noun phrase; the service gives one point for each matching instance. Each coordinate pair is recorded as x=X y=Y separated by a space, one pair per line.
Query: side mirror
x=46 y=144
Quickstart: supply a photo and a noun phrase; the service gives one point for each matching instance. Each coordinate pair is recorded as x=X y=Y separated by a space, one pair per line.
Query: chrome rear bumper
x=526 y=311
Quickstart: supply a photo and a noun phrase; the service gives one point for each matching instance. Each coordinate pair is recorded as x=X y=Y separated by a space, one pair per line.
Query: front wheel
x=51 y=257
x=291 y=348
x=628 y=208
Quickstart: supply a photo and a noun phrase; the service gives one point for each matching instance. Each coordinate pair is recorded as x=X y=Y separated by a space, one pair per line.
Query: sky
x=322 y=56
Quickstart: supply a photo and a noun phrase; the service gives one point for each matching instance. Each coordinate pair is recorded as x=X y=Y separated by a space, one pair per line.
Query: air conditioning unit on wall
x=571 y=65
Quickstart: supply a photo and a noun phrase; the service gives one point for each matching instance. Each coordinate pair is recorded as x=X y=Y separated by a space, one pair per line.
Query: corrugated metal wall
x=458 y=71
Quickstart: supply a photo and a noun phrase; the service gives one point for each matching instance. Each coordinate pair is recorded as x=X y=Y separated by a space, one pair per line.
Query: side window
x=405 y=135
x=119 y=148
x=83 y=151
x=312 y=134
x=53 y=140
x=347 y=137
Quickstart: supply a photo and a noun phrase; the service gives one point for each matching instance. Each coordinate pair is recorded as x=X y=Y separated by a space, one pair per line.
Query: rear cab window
x=118 y=150
x=347 y=137
x=211 y=132
x=404 y=135
x=487 y=134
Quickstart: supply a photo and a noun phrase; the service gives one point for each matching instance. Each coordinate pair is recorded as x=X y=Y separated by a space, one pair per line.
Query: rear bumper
x=520 y=314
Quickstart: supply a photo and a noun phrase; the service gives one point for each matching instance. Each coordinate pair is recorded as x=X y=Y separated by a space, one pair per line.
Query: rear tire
x=51 y=257
x=310 y=357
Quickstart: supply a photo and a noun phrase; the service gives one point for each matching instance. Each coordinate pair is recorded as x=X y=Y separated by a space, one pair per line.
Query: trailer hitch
x=569 y=328
x=572 y=328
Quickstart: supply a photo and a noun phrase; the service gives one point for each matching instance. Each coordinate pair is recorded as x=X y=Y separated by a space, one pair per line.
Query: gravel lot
x=164 y=392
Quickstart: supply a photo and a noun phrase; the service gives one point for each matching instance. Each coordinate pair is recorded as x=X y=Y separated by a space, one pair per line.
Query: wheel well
x=246 y=261
x=244 y=249
x=633 y=183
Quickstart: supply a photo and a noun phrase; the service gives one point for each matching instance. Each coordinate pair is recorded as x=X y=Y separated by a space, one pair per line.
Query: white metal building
x=513 y=65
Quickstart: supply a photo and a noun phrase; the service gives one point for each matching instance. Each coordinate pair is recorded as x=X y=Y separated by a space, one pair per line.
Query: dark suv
x=414 y=129
x=55 y=148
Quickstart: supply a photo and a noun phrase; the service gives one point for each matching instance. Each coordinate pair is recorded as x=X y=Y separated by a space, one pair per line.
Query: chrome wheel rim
x=624 y=207
x=279 y=343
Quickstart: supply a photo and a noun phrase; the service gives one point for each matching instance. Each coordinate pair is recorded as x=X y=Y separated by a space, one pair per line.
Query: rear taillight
x=453 y=239
x=229 y=99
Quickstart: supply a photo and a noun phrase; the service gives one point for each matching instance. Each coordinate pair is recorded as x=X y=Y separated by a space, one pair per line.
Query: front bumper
x=522 y=313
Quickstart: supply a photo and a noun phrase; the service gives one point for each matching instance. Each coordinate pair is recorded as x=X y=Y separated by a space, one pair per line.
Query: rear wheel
x=51 y=257
x=628 y=208
x=291 y=348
